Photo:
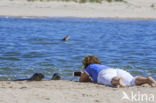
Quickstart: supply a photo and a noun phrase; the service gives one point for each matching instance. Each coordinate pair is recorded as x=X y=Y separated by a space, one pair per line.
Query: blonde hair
x=90 y=60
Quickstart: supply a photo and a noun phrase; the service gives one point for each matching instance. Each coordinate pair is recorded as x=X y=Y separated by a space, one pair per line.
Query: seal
x=67 y=38
x=56 y=76
x=35 y=77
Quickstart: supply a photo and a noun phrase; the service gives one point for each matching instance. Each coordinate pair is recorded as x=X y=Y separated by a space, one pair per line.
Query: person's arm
x=85 y=78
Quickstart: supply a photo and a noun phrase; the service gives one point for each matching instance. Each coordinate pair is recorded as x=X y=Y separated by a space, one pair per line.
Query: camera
x=76 y=74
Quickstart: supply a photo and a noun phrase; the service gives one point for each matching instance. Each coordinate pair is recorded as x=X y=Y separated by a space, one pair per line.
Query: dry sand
x=132 y=9
x=71 y=92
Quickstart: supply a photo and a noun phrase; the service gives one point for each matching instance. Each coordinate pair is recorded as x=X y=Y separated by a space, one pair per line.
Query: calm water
x=34 y=45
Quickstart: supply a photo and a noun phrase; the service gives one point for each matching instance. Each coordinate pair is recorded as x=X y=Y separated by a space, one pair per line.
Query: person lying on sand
x=98 y=73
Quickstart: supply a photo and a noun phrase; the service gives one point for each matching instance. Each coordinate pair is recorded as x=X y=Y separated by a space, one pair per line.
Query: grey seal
x=67 y=38
x=56 y=76
x=35 y=77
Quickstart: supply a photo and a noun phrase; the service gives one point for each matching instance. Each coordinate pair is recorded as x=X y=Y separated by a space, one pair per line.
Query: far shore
x=48 y=17
x=131 y=10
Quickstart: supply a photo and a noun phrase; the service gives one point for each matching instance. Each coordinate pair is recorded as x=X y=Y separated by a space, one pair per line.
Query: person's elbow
x=81 y=80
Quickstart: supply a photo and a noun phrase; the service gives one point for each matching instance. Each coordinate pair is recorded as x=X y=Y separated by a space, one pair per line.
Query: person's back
x=94 y=69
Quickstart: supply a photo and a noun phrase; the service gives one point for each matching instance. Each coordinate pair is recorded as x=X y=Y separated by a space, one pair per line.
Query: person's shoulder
x=95 y=65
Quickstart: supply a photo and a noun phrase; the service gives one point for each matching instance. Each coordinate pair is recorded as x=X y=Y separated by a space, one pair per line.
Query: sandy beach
x=131 y=9
x=72 y=92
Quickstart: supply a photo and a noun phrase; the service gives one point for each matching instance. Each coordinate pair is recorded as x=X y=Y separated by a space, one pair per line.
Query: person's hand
x=82 y=72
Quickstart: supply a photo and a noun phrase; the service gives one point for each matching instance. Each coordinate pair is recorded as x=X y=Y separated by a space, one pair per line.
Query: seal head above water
x=67 y=38
x=37 y=77
x=56 y=76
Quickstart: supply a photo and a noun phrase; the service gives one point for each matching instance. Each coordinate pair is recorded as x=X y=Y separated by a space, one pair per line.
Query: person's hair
x=90 y=60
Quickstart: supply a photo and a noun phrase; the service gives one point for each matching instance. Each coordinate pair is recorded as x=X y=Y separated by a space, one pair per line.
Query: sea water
x=30 y=45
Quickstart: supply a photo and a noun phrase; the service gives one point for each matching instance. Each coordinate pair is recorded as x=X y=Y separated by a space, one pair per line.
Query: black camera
x=76 y=74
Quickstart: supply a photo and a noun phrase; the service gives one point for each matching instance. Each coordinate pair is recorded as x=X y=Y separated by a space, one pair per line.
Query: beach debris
x=153 y=6
x=23 y=87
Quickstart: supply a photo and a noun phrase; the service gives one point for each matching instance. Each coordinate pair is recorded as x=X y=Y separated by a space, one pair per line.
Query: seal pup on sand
x=67 y=38
x=56 y=76
x=35 y=77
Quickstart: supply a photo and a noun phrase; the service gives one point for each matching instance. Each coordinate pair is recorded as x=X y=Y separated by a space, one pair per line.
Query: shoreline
x=132 y=10
x=109 y=18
